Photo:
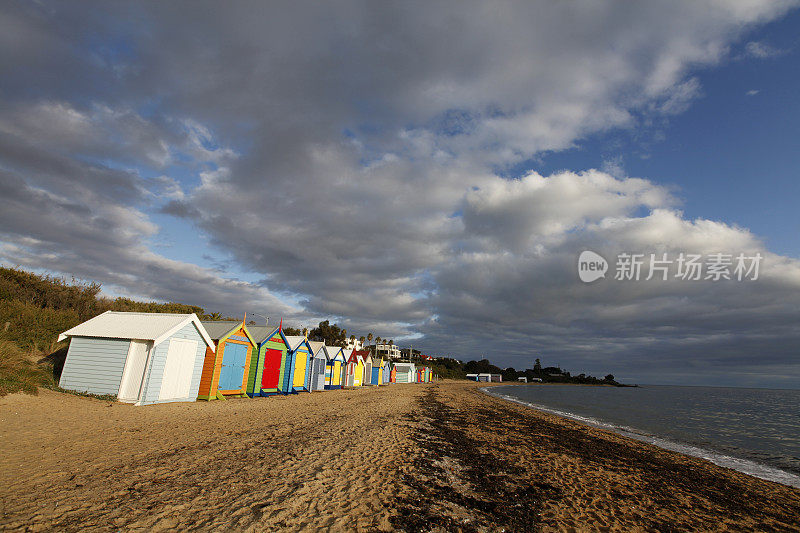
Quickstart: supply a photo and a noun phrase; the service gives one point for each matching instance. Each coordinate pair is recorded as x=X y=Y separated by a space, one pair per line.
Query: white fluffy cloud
x=352 y=155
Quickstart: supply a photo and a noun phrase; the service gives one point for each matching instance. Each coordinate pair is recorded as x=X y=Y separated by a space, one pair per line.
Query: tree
x=369 y=338
x=537 y=367
x=332 y=335
x=391 y=342
x=377 y=340
x=291 y=331
x=361 y=339
x=610 y=377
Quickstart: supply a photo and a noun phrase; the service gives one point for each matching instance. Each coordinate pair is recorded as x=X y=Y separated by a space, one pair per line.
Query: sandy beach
x=438 y=457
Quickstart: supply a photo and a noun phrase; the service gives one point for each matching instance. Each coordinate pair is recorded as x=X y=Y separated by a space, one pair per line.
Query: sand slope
x=306 y=461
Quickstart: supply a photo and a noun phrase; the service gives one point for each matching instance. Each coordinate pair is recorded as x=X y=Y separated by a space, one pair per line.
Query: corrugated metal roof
x=219 y=328
x=294 y=341
x=260 y=333
x=332 y=351
x=141 y=326
x=316 y=346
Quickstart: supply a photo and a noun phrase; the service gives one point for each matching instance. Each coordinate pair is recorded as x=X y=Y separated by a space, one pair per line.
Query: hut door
x=133 y=375
x=272 y=369
x=234 y=359
x=178 y=369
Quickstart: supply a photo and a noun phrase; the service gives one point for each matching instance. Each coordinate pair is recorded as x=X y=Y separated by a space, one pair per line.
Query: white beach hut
x=318 y=360
x=141 y=358
x=406 y=372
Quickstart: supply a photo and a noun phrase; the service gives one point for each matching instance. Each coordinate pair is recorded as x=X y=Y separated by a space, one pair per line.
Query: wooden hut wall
x=153 y=389
x=296 y=379
x=270 y=368
x=221 y=374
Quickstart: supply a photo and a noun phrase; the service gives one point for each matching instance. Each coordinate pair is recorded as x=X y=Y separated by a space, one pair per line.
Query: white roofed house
x=141 y=358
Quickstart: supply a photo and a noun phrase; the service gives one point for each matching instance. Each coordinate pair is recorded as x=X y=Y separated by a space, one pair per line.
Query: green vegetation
x=452 y=369
x=330 y=334
x=20 y=371
x=35 y=308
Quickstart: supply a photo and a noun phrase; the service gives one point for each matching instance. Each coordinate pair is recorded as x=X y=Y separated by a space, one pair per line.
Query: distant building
x=523 y=379
x=408 y=353
x=386 y=350
x=485 y=377
x=354 y=344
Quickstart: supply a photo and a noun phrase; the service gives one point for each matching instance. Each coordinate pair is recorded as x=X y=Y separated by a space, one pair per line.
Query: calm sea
x=756 y=431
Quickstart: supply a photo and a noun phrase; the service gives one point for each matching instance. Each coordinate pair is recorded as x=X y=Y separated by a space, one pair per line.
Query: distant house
x=353 y=344
x=141 y=358
x=485 y=377
x=386 y=349
x=523 y=379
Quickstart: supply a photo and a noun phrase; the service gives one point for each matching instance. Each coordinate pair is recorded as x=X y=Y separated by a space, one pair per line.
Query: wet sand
x=441 y=457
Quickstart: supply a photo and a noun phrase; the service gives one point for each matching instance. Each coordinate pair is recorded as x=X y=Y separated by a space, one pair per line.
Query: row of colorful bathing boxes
x=147 y=358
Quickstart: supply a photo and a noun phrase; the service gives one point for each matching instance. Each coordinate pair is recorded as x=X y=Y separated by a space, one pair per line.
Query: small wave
x=742 y=465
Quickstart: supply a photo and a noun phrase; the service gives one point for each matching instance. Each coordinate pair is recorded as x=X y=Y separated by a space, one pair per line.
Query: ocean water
x=755 y=431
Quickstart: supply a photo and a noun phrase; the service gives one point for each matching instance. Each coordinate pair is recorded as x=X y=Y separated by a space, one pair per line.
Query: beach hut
x=297 y=377
x=225 y=370
x=334 y=367
x=362 y=359
x=266 y=375
x=141 y=358
x=351 y=364
x=393 y=374
x=377 y=370
x=406 y=372
x=318 y=360
x=386 y=372
x=368 y=365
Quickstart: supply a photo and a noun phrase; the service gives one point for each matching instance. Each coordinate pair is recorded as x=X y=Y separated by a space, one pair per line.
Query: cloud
x=351 y=156
x=752 y=92
x=762 y=50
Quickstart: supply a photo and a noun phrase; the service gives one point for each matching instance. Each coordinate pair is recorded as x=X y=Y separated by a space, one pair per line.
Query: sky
x=427 y=172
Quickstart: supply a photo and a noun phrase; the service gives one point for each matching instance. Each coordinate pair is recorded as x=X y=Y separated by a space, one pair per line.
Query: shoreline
x=417 y=457
x=745 y=466
x=490 y=464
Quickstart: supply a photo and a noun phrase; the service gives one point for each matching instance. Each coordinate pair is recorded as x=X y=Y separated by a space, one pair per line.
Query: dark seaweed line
x=492 y=492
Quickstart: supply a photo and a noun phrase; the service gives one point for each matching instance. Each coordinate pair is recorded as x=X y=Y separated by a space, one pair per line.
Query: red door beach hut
x=334 y=367
x=267 y=372
x=225 y=369
x=141 y=358
x=318 y=362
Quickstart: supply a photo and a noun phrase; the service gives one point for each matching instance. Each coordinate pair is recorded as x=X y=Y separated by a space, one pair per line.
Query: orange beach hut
x=225 y=370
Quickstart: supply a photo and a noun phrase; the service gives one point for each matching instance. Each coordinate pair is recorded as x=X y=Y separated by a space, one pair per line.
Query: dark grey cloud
x=345 y=153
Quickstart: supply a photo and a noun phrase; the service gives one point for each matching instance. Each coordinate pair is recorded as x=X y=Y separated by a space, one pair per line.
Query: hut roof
x=363 y=354
x=262 y=333
x=219 y=328
x=404 y=366
x=154 y=327
x=316 y=346
x=332 y=351
x=294 y=341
